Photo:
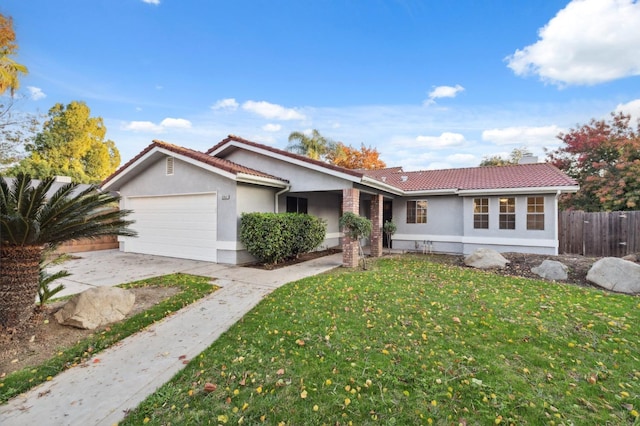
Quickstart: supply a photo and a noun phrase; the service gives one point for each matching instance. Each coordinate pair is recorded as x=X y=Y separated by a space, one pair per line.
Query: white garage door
x=182 y=226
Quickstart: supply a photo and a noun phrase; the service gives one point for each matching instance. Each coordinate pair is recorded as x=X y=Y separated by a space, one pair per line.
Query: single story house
x=188 y=203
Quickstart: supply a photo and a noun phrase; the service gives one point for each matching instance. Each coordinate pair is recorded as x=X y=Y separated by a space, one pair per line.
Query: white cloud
x=632 y=108
x=228 y=103
x=463 y=160
x=36 y=93
x=176 y=123
x=150 y=127
x=143 y=126
x=523 y=136
x=156 y=2
x=272 y=111
x=443 y=92
x=445 y=140
x=587 y=42
x=271 y=127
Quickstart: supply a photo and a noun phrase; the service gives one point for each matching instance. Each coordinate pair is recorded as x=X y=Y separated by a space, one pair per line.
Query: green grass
x=191 y=287
x=413 y=342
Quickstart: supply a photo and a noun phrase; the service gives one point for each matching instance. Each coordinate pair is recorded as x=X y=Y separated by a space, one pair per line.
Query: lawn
x=413 y=342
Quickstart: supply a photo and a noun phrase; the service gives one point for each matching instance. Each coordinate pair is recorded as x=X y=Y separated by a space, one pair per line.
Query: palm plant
x=316 y=146
x=31 y=220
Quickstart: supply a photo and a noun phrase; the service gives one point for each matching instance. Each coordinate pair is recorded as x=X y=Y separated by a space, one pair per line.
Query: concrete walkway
x=100 y=391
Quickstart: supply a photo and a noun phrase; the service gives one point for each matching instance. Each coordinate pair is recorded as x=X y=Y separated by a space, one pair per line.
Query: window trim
x=481 y=217
x=536 y=216
x=507 y=213
x=413 y=209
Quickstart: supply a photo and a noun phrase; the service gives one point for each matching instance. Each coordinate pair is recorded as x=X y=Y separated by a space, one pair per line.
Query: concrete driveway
x=113 y=267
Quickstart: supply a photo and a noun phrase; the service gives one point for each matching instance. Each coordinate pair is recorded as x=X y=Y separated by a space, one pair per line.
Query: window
x=507 y=218
x=481 y=213
x=169 y=166
x=535 y=213
x=417 y=211
x=296 y=205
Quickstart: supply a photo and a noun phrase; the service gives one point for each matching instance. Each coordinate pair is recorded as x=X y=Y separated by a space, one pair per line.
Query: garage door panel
x=182 y=226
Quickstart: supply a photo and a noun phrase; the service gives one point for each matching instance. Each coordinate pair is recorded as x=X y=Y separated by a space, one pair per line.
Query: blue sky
x=430 y=84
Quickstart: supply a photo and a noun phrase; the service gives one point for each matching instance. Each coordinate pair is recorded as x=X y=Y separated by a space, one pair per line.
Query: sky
x=429 y=84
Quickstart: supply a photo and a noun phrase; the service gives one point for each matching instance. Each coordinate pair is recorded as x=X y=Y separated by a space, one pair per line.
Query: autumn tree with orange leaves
x=604 y=157
x=367 y=158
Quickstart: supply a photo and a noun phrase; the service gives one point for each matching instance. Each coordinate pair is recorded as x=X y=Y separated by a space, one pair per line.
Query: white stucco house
x=188 y=203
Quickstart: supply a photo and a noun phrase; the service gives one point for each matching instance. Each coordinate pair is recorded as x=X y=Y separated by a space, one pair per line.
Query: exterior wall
x=325 y=205
x=301 y=178
x=449 y=227
x=442 y=232
x=520 y=239
x=189 y=179
x=251 y=199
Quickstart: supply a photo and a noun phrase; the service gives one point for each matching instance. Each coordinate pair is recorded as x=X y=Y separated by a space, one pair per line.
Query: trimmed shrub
x=274 y=237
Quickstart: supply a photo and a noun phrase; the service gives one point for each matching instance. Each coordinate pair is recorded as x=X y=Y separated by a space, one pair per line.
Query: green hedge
x=274 y=237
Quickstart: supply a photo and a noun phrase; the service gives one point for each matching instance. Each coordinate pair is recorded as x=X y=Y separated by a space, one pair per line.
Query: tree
x=604 y=157
x=71 y=143
x=514 y=158
x=16 y=130
x=389 y=228
x=10 y=70
x=32 y=220
x=316 y=146
x=351 y=158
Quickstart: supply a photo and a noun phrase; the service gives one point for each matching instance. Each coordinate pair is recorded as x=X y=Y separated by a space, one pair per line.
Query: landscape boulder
x=615 y=274
x=95 y=307
x=484 y=258
x=631 y=257
x=551 y=270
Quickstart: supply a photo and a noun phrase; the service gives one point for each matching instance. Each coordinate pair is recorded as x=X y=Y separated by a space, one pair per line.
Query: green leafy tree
x=33 y=220
x=10 y=70
x=71 y=143
x=314 y=146
x=604 y=157
x=356 y=228
x=514 y=158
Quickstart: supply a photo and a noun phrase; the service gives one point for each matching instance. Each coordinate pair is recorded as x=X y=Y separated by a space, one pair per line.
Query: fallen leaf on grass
x=210 y=387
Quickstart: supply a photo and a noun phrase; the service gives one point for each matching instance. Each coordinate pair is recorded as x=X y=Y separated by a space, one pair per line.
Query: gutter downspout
x=557 y=219
x=278 y=194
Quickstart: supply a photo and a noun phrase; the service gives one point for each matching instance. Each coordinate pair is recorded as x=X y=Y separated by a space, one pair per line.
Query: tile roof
x=220 y=163
x=476 y=178
x=356 y=173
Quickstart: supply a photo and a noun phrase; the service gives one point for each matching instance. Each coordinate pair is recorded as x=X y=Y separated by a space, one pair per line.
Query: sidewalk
x=101 y=392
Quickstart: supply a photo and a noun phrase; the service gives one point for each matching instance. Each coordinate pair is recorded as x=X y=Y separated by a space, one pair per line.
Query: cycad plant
x=32 y=220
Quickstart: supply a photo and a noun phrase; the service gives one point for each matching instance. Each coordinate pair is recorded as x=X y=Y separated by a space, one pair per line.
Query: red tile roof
x=356 y=173
x=220 y=163
x=476 y=178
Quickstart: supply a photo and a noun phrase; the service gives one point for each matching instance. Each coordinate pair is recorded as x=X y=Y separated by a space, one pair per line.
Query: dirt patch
x=288 y=262
x=43 y=337
x=520 y=265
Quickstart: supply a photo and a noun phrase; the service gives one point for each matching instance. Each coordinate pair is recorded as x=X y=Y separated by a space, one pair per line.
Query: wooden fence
x=599 y=234
x=100 y=243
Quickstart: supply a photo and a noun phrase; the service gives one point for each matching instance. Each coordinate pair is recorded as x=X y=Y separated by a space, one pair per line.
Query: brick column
x=376 y=225
x=350 y=203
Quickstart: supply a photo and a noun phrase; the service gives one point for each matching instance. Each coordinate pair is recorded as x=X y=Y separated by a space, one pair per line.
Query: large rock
x=616 y=274
x=484 y=258
x=95 y=307
x=551 y=270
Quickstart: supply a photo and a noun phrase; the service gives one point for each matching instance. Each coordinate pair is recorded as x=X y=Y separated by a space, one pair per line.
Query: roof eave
x=520 y=190
x=374 y=183
x=259 y=180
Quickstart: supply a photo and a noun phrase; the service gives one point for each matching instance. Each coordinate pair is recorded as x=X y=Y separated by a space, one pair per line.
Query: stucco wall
x=302 y=179
x=449 y=227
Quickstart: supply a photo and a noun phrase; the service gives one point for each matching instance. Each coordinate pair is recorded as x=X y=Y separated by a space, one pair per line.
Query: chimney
x=528 y=159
